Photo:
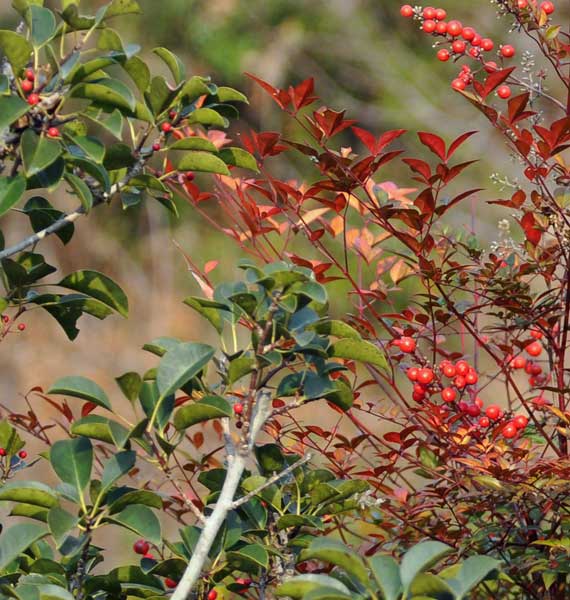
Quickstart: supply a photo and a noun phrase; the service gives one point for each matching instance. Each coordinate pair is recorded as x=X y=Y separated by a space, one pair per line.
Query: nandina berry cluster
x=456 y=41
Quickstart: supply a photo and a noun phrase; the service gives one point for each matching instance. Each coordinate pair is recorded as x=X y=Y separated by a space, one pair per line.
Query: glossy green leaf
x=211 y=407
x=203 y=162
x=102 y=429
x=111 y=92
x=180 y=364
x=339 y=554
x=29 y=492
x=16 y=49
x=119 y=8
x=42 y=214
x=86 y=147
x=431 y=586
x=60 y=523
x=41 y=22
x=251 y=555
x=130 y=384
x=81 y=190
x=11 y=109
x=72 y=460
x=207 y=117
x=80 y=387
x=213 y=311
x=193 y=143
x=329 y=593
x=98 y=286
x=117 y=466
x=175 y=65
x=141 y=497
x=473 y=571
x=359 y=351
x=386 y=571
x=11 y=190
x=298 y=587
x=228 y=94
x=238 y=158
x=38 y=152
x=138 y=71
x=420 y=557
x=17 y=539
x=141 y=520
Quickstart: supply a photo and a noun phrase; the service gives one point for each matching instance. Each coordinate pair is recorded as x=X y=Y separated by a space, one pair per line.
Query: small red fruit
x=449 y=370
x=493 y=412
x=3 y=452
x=22 y=327
x=443 y=55
x=458 y=84
x=484 y=422
x=170 y=583
x=471 y=378
x=508 y=51
x=246 y=582
x=412 y=373
x=491 y=66
x=30 y=75
x=448 y=394
x=141 y=547
x=473 y=410
x=441 y=28
x=212 y=595
x=33 y=99
x=487 y=44
x=238 y=408
x=547 y=7
x=156 y=147
x=190 y=176
x=510 y=431
x=166 y=127
x=474 y=52
x=519 y=362
x=27 y=86
x=468 y=33
x=522 y=4
x=429 y=12
x=53 y=132
x=23 y=454
x=407 y=11
x=407 y=344
x=534 y=349
x=425 y=376
x=520 y=421
x=478 y=402
x=462 y=367
x=459 y=382
x=459 y=46
x=536 y=334
x=454 y=28
x=429 y=26
x=440 y=14
x=504 y=92
x=476 y=41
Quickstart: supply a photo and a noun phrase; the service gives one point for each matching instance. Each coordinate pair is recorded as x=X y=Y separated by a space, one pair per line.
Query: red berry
x=443 y=55
x=519 y=362
x=407 y=344
x=238 y=408
x=149 y=555
x=23 y=454
x=407 y=11
x=459 y=46
x=474 y=52
x=30 y=75
x=412 y=373
x=22 y=327
x=536 y=334
x=507 y=51
x=172 y=114
x=534 y=349
x=468 y=33
x=429 y=26
x=440 y=14
x=476 y=41
x=418 y=396
x=473 y=410
x=471 y=378
x=449 y=370
x=458 y=84
x=170 y=583
x=487 y=44
x=190 y=176
x=425 y=376
x=510 y=431
x=504 y=92
x=491 y=67
x=27 y=86
x=522 y=4
x=448 y=394
x=454 y=28
x=520 y=421
x=5 y=319
x=459 y=382
x=493 y=412
x=239 y=424
x=33 y=99
x=212 y=595
x=429 y=12
x=479 y=402
x=141 y=547
x=3 y=452
x=547 y=7
x=441 y=28
x=53 y=132
x=166 y=127
x=484 y=422
x=462 y=367
x=156 y=147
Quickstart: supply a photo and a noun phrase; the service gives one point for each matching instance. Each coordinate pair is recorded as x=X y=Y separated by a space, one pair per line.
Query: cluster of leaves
x=82 y=111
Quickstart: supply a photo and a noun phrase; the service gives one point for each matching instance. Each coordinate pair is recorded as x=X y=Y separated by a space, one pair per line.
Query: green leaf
x=81 y=190
x=387 y=573
x=11 y=190
x=42 y=214
x=238 y=158
x=141 y=520
x=29 y=492
x=420 y=557
x=194 y=88
x=193 y=143
x=41 y=22
x=339 y=554
x=160 y=96
x=38 y=152
x=175 y=65
x=101 y=428
x=213 y=311
x=338 y=329
x=130 y=384
x=98 y=286
x=298 y=587
x=180 y=364
x=251 y=555
x=117 y=466
x=11 y=109
x=359 y=351
x=138 y=71
x=228 y=94
x=17 y=539
x=86 y=147
x=239 y=367
x=203 y=162
x=60 y=523
x=80 y=387
x=473 y=571
x=119 y=8
x=430 y=586
x=91 y=168
x=111 y=92
x=16 y=49
x=207 y=117
x=211 y=407
x=160 y=346
x=72 y=460
x=328 y=593
x=142 y=497
x=9 y=439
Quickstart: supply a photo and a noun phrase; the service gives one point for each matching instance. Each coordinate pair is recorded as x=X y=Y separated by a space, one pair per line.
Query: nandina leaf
x=281 y=97
x=517 y=106
x=366 y=138
x=440 y=210
x=419 y=166
x=532 y=232
x=495 y=80
x=387 y=138
x=302 y=94
x=458 y=142
x=434 y=143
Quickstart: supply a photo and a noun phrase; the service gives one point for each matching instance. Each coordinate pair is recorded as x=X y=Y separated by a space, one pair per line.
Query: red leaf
x=88 y=408
x=434 y=143
x=393 y=437
x=456 y=143
x=302 y=94
x=495 y=79
x=517 y=106
x=419 y=166
x=388 y=138
x=282 y=98
x=366 y=138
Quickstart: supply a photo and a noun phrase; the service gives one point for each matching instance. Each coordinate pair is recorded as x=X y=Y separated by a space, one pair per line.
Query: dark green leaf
x=98 y=286
x=175 y=65
x=117 y=466
x=41 y=22
x=238 y=158
x=207 y=117
x=80 y=387
x=81 y=190
x=298 y=587
x=130 y=384
x=180 y=364
x=18 y=538
x=339 y=554
x=111 y=92
x=211 y=407
x=11 y=109
x=16 y=49
x=72 y=460
x=359 y=351
x=387 y=573
x=60 y=523
x=38 y=152
x=420 y=557
x=141 y=520
x=28 y=492
x=11 y=190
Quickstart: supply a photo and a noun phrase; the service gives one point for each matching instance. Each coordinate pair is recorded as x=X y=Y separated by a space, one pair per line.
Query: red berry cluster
x=22 y=455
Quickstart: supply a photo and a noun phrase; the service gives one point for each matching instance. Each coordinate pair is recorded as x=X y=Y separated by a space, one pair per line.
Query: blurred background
x=365 y=58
